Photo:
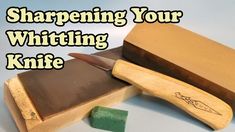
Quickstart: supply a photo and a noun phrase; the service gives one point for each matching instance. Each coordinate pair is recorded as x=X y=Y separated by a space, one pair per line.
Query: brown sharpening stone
x=45 y=100
x=184 y=55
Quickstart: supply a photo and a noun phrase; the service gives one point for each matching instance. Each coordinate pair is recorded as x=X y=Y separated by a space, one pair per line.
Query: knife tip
x=72 y=54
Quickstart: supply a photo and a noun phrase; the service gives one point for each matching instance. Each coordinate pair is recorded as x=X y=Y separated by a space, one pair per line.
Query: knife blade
x=205 y=107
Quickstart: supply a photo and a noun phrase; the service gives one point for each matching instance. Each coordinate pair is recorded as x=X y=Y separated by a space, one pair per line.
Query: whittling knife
x=196 y=102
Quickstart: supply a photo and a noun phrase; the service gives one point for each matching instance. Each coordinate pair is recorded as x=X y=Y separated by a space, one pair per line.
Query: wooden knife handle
x=198 y=103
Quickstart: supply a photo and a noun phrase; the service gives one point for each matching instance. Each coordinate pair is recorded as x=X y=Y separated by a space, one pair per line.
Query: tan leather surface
x=185 y=55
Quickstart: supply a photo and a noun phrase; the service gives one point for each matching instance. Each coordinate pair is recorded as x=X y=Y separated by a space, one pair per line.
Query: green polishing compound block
x=108 y=119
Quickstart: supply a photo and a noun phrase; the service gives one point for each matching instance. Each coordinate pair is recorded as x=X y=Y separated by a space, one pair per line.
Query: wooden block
x=184 y=55
x=46 y=100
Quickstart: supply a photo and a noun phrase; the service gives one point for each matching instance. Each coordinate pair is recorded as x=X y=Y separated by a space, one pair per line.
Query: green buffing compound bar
x=108 y=119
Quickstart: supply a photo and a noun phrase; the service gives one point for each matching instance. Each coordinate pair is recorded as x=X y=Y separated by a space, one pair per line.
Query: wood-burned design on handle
x=196 y=103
